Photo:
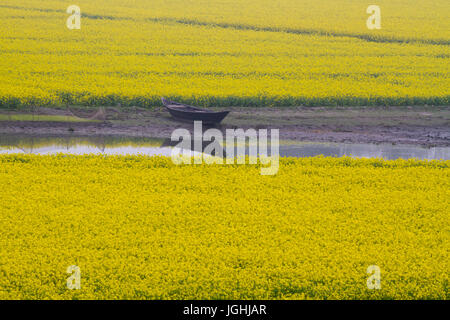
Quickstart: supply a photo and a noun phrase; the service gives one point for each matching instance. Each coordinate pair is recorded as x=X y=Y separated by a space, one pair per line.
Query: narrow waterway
x=79 y=145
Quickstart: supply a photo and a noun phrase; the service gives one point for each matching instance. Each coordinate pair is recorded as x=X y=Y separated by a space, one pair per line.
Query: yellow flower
x=254 y=52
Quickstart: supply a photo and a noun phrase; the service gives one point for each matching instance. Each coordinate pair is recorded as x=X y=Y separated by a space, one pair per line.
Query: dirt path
x=427 y=126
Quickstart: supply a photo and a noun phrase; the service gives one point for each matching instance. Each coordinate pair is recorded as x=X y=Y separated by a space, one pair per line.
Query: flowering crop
x=234 y=52
x=142 y=228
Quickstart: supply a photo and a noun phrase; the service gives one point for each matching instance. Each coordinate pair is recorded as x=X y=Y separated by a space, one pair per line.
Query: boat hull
x=207 y=118
x=187 y=113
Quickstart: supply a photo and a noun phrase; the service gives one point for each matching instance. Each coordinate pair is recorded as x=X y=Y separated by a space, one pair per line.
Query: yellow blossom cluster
x=222 y=53
x=143 y=228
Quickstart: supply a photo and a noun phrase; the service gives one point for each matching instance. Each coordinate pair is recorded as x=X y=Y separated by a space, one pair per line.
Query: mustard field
x=224 y=53
x=142 y=228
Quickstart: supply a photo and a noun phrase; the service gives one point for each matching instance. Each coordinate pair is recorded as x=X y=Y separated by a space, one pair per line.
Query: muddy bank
x=426 y=126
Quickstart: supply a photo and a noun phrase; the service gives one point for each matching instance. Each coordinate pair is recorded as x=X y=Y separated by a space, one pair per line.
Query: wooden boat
x=185 y=112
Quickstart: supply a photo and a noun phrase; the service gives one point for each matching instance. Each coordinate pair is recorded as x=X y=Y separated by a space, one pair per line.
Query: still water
x=152 y=146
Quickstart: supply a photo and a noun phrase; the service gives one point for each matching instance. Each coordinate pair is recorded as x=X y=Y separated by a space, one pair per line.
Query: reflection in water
x=82 y=145
x=202 y=144
x=151 y=146
x=365 y=150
